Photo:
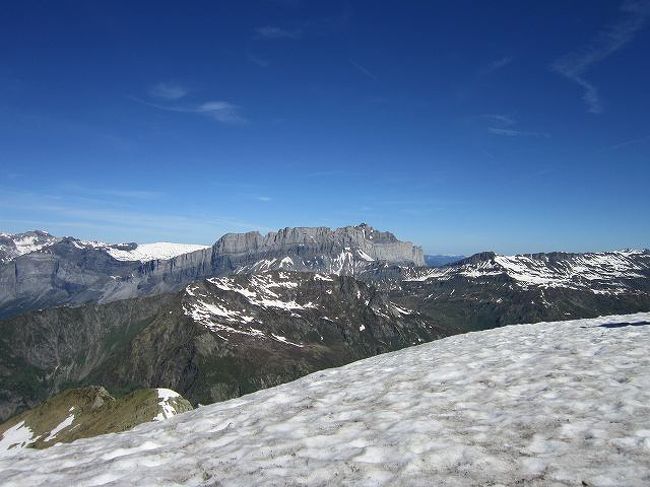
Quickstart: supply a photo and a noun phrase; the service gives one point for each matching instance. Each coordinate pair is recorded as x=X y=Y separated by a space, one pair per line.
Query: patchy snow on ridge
x=573 y=271
x=154 y=251
x=218 y=312
x=166 y=409
x=14 y=245
x=61 y=426
x=15 y=438
x=562 y=403
x=31 y=243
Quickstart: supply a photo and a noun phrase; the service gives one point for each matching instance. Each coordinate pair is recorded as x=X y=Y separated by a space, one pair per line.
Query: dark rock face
x=69 y=272
x=216 y=339
x=43 y=352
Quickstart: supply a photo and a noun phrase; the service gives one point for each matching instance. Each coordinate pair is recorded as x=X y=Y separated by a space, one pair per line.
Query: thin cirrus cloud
x=221 y=111
x=363 y=70
x=127 y=221
x=262 y=63
x=506 y=125
x=575 y=64
x=271 y=32
x=497 y=118
x=515 y=133
x=168 y=91
x=497 y=64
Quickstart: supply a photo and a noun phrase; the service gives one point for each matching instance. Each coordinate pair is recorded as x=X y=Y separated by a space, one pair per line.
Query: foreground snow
x=564 y=403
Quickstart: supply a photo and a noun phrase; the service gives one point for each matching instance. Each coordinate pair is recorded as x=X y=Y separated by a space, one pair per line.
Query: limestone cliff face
x=70 y=272
x=306 y=241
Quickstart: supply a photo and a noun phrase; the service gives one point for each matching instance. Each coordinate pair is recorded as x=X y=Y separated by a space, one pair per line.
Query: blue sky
x=463 y=126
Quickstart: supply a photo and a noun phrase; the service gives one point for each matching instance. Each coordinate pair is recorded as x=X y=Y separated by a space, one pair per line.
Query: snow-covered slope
x=563 y=403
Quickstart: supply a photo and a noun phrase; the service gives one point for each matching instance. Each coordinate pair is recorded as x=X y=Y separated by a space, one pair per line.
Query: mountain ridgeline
x=69 y=271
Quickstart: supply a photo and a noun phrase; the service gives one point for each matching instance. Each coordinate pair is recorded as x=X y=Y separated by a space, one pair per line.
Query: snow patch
x=284 y=340
x=154 y=251
x=166 y=409
x=15 y=438
x=61 y=426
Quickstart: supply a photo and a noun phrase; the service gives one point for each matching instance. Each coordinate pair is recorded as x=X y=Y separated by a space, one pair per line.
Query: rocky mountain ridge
x=598 y=271
x=69 y=271
x=488 y=290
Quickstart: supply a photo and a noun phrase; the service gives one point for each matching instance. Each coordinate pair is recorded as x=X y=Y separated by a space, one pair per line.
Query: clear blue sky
x=463 y=126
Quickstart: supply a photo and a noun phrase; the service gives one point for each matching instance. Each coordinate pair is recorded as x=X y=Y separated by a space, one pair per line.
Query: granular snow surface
x=563 y=403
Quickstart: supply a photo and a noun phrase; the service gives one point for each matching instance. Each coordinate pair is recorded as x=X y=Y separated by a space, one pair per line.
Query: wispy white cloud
x=270 y=32
x=515 y=133
x=167 y=91
x=506 y=125
x=504 y=120
x=262 y=63
x=125 y=194
x=221 y=111
x=59 y=210
x=575 y=64
x=629 y=142
x=363 y=70
x=497 y=64
x=263 y=198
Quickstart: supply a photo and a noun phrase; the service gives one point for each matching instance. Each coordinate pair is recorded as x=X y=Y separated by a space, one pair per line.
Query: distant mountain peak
x=18 y=244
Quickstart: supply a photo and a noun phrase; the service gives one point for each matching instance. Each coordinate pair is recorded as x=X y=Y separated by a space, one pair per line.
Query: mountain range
x=41 y=271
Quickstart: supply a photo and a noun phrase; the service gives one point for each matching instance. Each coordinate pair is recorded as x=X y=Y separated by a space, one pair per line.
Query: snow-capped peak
x=14 y=245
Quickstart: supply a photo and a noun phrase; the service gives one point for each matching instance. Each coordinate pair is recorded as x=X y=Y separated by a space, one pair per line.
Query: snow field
x=547 y=404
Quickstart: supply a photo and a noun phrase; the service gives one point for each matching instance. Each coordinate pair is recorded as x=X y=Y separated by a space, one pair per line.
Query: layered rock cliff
x=70 y=271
